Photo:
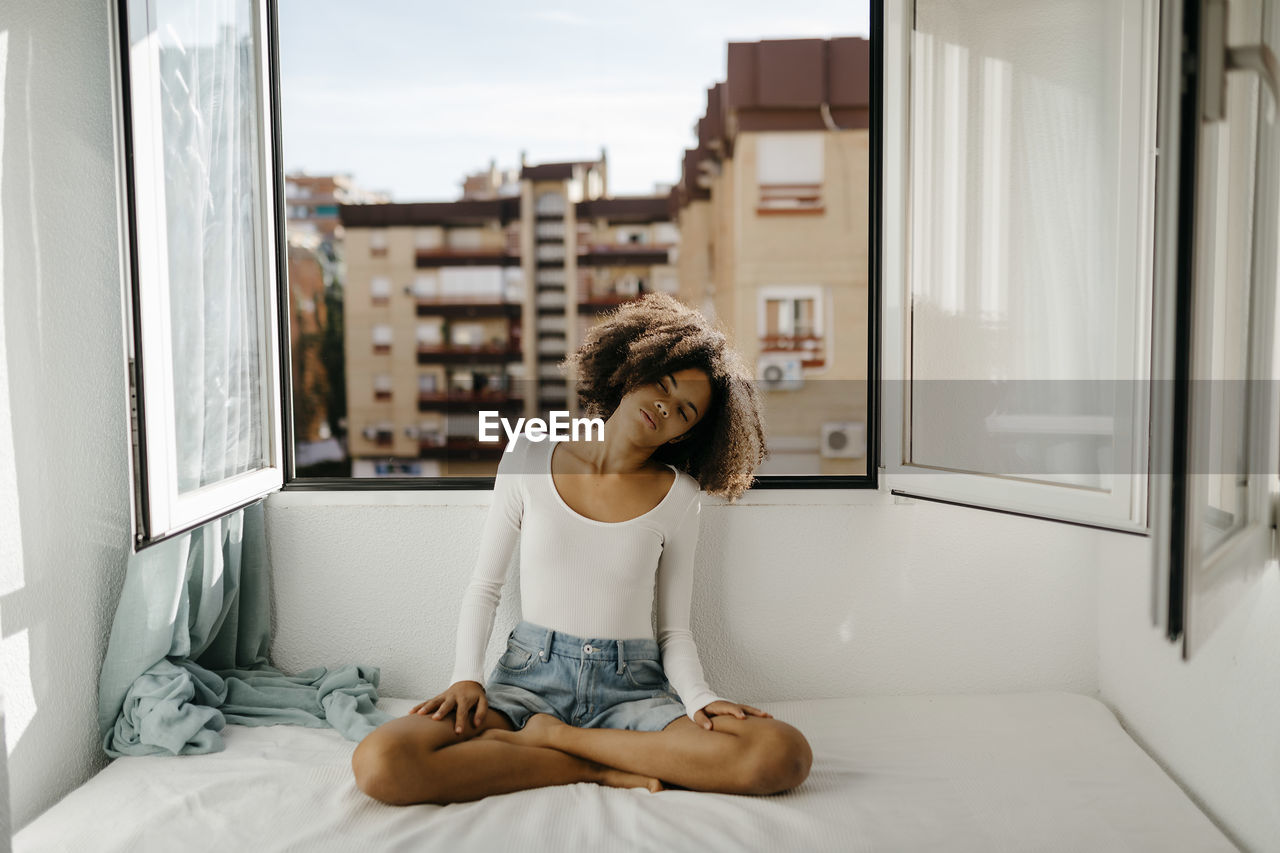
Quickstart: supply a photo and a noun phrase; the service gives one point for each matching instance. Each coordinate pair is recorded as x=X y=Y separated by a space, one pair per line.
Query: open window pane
x=205 y=283
x=1232 y=423
x=1030 y=164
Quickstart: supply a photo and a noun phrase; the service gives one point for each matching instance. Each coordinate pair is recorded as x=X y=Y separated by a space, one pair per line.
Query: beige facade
x=775 y=228
x=454 y=307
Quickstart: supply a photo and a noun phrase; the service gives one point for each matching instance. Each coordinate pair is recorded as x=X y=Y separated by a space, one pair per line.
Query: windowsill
x=483 y=497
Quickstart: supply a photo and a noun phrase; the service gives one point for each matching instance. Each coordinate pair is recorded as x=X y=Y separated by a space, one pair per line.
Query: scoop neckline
x=551 y=480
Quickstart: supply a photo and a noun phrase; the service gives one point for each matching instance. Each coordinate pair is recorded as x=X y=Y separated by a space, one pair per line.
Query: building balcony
x=433 y=401
x=477 y=257
x=455 y=354
x=601 y=301
x=466 y=306
x=623 y=254
x=810 y=348
x=461 y=449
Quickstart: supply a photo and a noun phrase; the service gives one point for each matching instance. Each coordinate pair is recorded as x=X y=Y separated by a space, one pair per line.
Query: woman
x=582 y=692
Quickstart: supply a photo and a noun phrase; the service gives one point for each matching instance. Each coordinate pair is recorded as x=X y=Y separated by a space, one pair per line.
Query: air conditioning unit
x=779 y=372
x=371 y=433
x=844 y=440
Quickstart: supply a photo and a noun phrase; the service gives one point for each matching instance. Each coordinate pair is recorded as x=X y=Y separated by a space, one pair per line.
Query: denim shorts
x=584 y=681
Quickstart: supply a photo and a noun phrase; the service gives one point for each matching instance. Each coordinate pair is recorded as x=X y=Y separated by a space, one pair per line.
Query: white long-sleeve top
x=588 y=578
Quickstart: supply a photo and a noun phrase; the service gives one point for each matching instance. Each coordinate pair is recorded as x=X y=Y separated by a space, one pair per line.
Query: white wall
x=789 y=602
x=64 y=478
x=1213 y=722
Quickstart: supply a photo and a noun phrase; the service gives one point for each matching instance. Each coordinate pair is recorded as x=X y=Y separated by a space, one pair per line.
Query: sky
x=409 y=97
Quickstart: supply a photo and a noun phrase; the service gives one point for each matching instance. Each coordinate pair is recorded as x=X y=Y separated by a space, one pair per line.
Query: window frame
x=1194 y=591
x=158 y=512
x=1124 y=508
x=869 y=481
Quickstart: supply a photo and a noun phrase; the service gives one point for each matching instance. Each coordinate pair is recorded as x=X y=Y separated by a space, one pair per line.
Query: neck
x=617 y=454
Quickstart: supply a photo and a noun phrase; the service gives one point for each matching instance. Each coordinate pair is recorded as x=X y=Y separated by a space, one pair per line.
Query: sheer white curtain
x=1019 y=281
x=212 y=192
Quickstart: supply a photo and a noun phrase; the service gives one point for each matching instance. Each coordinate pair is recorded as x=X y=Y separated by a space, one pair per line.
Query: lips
x=649 y=418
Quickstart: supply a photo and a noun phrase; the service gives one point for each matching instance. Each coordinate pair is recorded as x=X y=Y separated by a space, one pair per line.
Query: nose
x=662 y=410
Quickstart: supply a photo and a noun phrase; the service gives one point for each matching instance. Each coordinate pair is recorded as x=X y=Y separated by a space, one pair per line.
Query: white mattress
x=1023 y=772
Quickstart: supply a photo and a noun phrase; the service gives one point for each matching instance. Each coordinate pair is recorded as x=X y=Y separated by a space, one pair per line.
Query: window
x=431 y=334
x=428 y=239
x=378 y=243
x=550 y=230
x=789 y=172
x=790 y=321
x=512 y=263
x=382 y=338
x=380 y=289
x=550 y=204
x=1217 y=264
x=426 y=286
x=382 y=386
x=1024 y=262
x=204 y=359
x=465 y=238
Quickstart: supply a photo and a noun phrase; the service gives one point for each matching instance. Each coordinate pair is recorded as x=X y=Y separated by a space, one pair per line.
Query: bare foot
x=540 y=728
x=537 y=731
x=615 y=778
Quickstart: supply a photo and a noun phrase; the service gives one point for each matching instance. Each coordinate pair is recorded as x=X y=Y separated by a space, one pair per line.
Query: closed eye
x=680 y=409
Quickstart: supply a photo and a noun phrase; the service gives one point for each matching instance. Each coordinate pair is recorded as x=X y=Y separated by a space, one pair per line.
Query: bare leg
x=417 y=759
x=751 y=756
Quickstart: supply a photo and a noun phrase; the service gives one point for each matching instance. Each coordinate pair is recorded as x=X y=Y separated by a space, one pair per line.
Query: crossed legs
x=417 y=759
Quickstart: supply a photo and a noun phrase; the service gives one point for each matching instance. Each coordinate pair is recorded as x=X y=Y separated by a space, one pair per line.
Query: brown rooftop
x=554 y=171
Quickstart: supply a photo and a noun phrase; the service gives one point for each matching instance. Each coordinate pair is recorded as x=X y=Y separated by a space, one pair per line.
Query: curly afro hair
x=643 y=340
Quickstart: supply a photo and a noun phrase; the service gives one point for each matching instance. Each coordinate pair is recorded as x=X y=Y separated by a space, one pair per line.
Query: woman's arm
x=675 y=594
x=498 y=540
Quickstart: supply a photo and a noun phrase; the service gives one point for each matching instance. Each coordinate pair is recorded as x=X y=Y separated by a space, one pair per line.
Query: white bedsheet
x=1022 y=772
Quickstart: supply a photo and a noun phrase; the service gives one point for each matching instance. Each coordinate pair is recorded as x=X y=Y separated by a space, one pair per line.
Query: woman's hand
x=461 y=696
x=703 y=717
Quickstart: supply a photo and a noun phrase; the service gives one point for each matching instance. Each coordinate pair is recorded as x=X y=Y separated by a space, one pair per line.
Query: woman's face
x=668 y=407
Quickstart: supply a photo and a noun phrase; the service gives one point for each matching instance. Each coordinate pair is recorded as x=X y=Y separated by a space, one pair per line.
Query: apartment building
x=772 y=209
x=311 y=203
x=454 y=307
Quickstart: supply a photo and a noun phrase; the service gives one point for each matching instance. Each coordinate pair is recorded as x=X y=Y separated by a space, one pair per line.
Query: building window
x=463 y=239
x=789 y=172
x=382 y=338
x=380 y=289
x=431 y=334
x=549 y=204
x=426 y=286
x=428 y=239
x=382 y=387
x=550 y=230
x=378 y=243
x=382 y=434
x=790 y=321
